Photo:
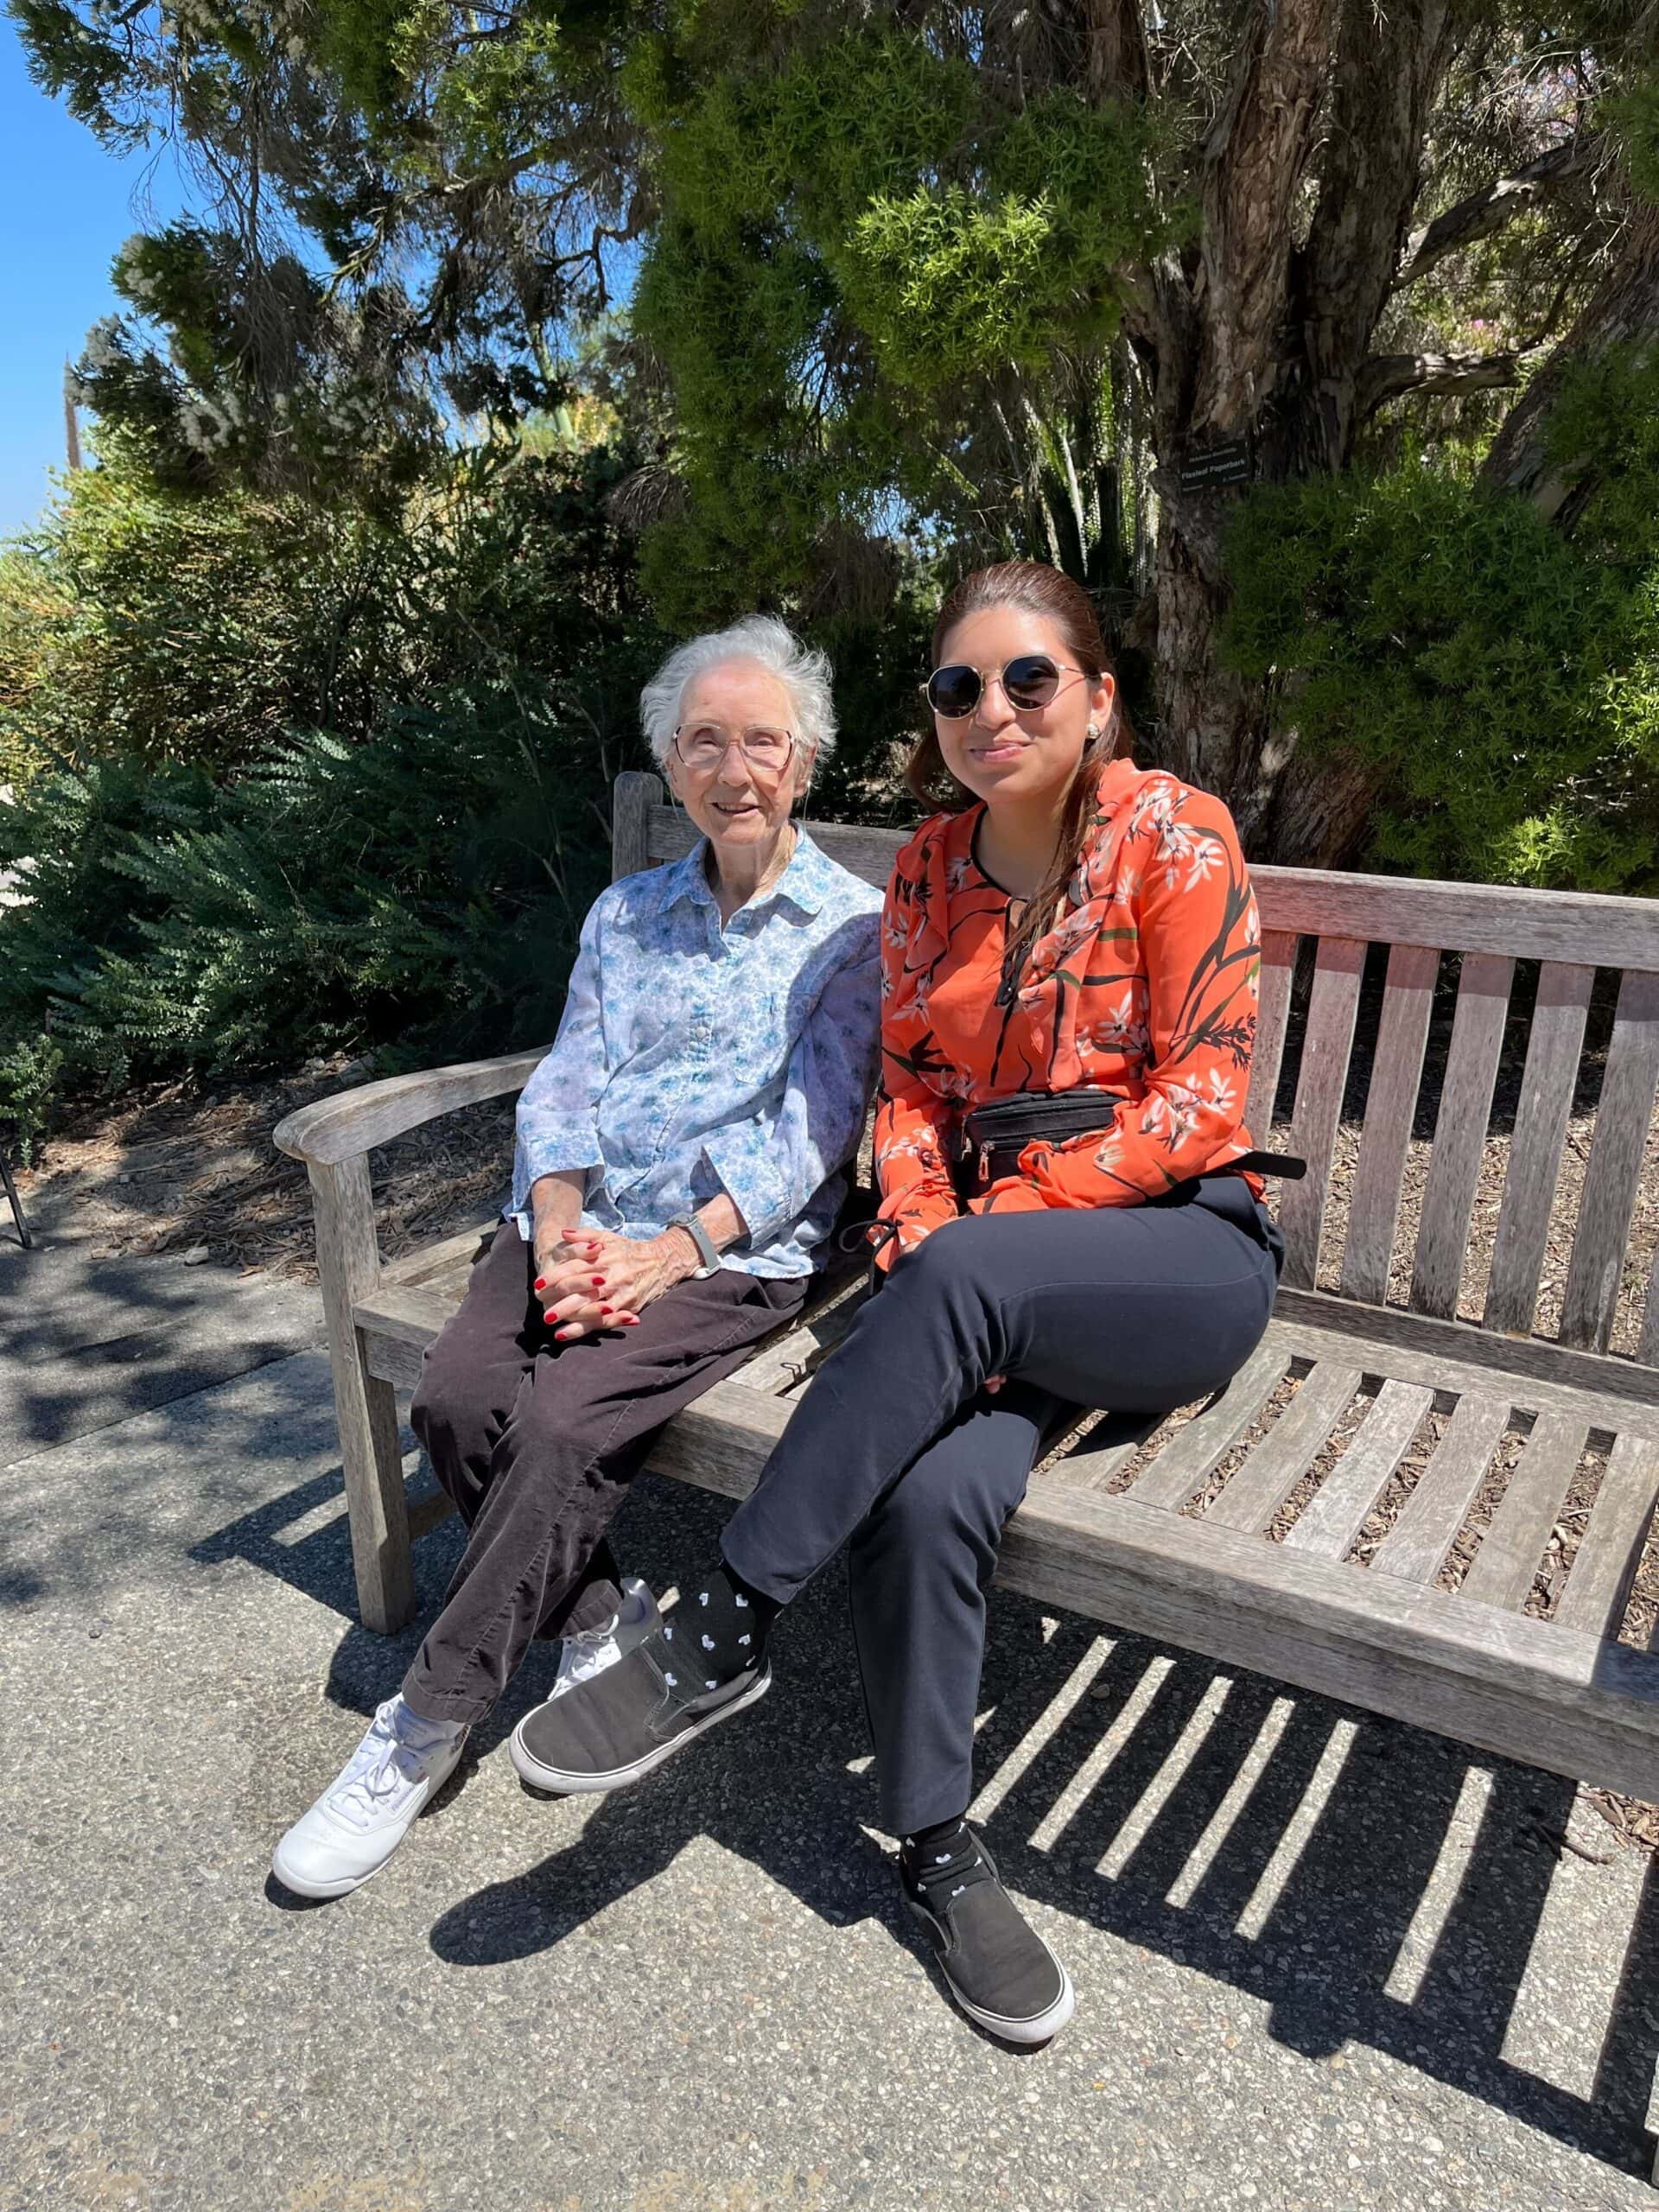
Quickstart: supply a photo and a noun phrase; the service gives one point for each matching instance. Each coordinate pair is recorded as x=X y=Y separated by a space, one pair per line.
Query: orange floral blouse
x=1146 y=984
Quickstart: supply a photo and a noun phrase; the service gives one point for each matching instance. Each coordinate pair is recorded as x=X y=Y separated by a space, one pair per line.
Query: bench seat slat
x=1610 y=1552
x=1336 y=1513
x=1385 y=1132
x=1255 y=1492
x=1094 y=1465
x=783 y=1363
x=1553 y=1055
x=1507 y=1562
x=1428 y=1522
x=1185 y=1463
x=1648 y=1349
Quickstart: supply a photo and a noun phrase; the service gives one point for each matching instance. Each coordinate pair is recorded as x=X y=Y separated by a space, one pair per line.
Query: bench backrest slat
x=1327 y=1038
x=1553 y=1052
x=1390 y=1107
x=1610 y=1181
x=1272 y=1023
x=1360 y=1207
x=1460 y=1132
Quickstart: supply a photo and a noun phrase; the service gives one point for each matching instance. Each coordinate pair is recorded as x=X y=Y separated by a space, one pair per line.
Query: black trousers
x=897 y=1448
x=536 y=1442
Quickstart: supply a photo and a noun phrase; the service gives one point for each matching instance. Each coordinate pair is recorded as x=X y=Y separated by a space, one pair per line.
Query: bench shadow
x=1374 y=1886
x=317 y=1559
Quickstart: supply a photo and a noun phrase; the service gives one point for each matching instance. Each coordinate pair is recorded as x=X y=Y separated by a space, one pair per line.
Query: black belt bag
x=993 y=1137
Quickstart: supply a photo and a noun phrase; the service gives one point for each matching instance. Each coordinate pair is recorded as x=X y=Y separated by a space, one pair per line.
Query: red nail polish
x=549 y=1318
x=607 y=1309
x=540 y=1283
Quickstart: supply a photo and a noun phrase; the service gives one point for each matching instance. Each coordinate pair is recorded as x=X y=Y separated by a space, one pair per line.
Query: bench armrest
x=354 y=1121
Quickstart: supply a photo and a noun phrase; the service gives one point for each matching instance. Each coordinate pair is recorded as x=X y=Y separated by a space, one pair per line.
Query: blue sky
x=69 y=206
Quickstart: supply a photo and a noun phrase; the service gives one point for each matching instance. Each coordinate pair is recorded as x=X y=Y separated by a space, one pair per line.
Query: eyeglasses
x=1029 y=681
x=704 y=746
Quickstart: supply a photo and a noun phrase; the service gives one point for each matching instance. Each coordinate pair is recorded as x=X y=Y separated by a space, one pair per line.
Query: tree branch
x=1623 y=310
x=1495 y=205
x=1386 y=376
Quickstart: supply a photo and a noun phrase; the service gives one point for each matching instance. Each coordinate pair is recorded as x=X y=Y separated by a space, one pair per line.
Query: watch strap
x=705 y=1244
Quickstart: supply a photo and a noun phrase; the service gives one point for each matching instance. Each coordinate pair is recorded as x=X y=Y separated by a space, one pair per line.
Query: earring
x=1094 y=732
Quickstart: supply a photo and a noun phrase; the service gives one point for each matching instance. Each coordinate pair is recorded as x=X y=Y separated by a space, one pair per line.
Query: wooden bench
x=1307 y=1521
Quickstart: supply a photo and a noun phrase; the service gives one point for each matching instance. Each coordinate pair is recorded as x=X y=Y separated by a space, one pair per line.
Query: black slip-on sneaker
x=999 y=1968
x=606 y=1732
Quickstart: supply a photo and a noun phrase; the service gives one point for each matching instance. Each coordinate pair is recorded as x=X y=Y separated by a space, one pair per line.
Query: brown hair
x=1050 y=593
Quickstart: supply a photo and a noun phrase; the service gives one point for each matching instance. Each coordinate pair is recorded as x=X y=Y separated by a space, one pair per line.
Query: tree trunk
x=1215 y=727
x=1268 y=338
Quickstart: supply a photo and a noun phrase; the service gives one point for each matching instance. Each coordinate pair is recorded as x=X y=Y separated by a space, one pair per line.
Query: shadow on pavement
x=1278 y=1843
x=91 y=1341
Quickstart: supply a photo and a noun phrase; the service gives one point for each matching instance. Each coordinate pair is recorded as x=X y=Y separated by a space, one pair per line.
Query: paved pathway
x=1321 y=1961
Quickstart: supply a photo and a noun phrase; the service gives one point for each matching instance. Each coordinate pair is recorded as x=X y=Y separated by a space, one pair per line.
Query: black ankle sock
x=933 y=1845
x=721 y=1622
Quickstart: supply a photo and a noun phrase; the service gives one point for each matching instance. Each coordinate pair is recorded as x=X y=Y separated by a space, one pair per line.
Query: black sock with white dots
x=719 y=1623
x=939 y=1862
x=938 y=1844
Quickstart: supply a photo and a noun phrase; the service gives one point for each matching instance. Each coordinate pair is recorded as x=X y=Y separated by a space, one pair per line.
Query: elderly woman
x=677 y=1172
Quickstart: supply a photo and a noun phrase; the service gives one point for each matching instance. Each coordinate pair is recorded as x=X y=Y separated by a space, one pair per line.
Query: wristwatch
x=705 y=1244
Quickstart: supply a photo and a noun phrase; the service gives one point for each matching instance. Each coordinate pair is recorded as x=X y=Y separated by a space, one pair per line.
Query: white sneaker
x=366 y=1811
x=591 y=1650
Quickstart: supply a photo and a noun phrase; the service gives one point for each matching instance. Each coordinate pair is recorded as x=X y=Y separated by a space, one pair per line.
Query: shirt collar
x=804 y=883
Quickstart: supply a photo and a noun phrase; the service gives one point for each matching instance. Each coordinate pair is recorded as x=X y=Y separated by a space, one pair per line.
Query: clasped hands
x=588 y=1280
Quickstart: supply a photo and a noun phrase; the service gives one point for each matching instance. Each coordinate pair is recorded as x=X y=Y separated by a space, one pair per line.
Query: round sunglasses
x=1029 y=681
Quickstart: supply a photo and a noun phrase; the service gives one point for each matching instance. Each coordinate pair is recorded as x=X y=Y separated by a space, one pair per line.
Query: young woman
x=1067 y=924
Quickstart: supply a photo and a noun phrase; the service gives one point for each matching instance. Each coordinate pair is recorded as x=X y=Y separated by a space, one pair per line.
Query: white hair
x=802 y=671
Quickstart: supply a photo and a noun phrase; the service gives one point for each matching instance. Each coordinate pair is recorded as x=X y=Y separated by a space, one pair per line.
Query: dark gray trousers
x=898 y=1449
x=536 y=1442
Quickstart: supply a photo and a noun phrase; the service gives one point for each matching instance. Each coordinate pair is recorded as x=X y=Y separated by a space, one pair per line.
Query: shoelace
x=396 y=1761
x=593 y=1637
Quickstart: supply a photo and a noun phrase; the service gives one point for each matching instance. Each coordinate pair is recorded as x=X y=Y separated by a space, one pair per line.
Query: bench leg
x=17 y=1203
x=366 y=1408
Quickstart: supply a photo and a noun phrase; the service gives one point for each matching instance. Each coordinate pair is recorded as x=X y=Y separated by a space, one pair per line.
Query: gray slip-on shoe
x=997 y=1966
x=613 y=1730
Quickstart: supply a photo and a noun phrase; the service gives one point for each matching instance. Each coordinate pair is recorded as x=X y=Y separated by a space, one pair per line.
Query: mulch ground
x=171 y=1168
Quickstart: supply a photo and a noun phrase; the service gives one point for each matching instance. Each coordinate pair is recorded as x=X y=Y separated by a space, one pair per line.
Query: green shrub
x=28 y=1077
x=419 y=891
x=410 y=876
x=225 y=876
x=157 y=625
x=1504 y=674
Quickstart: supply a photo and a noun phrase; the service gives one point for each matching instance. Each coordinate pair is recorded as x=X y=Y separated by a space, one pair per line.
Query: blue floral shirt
x=692 y=1059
